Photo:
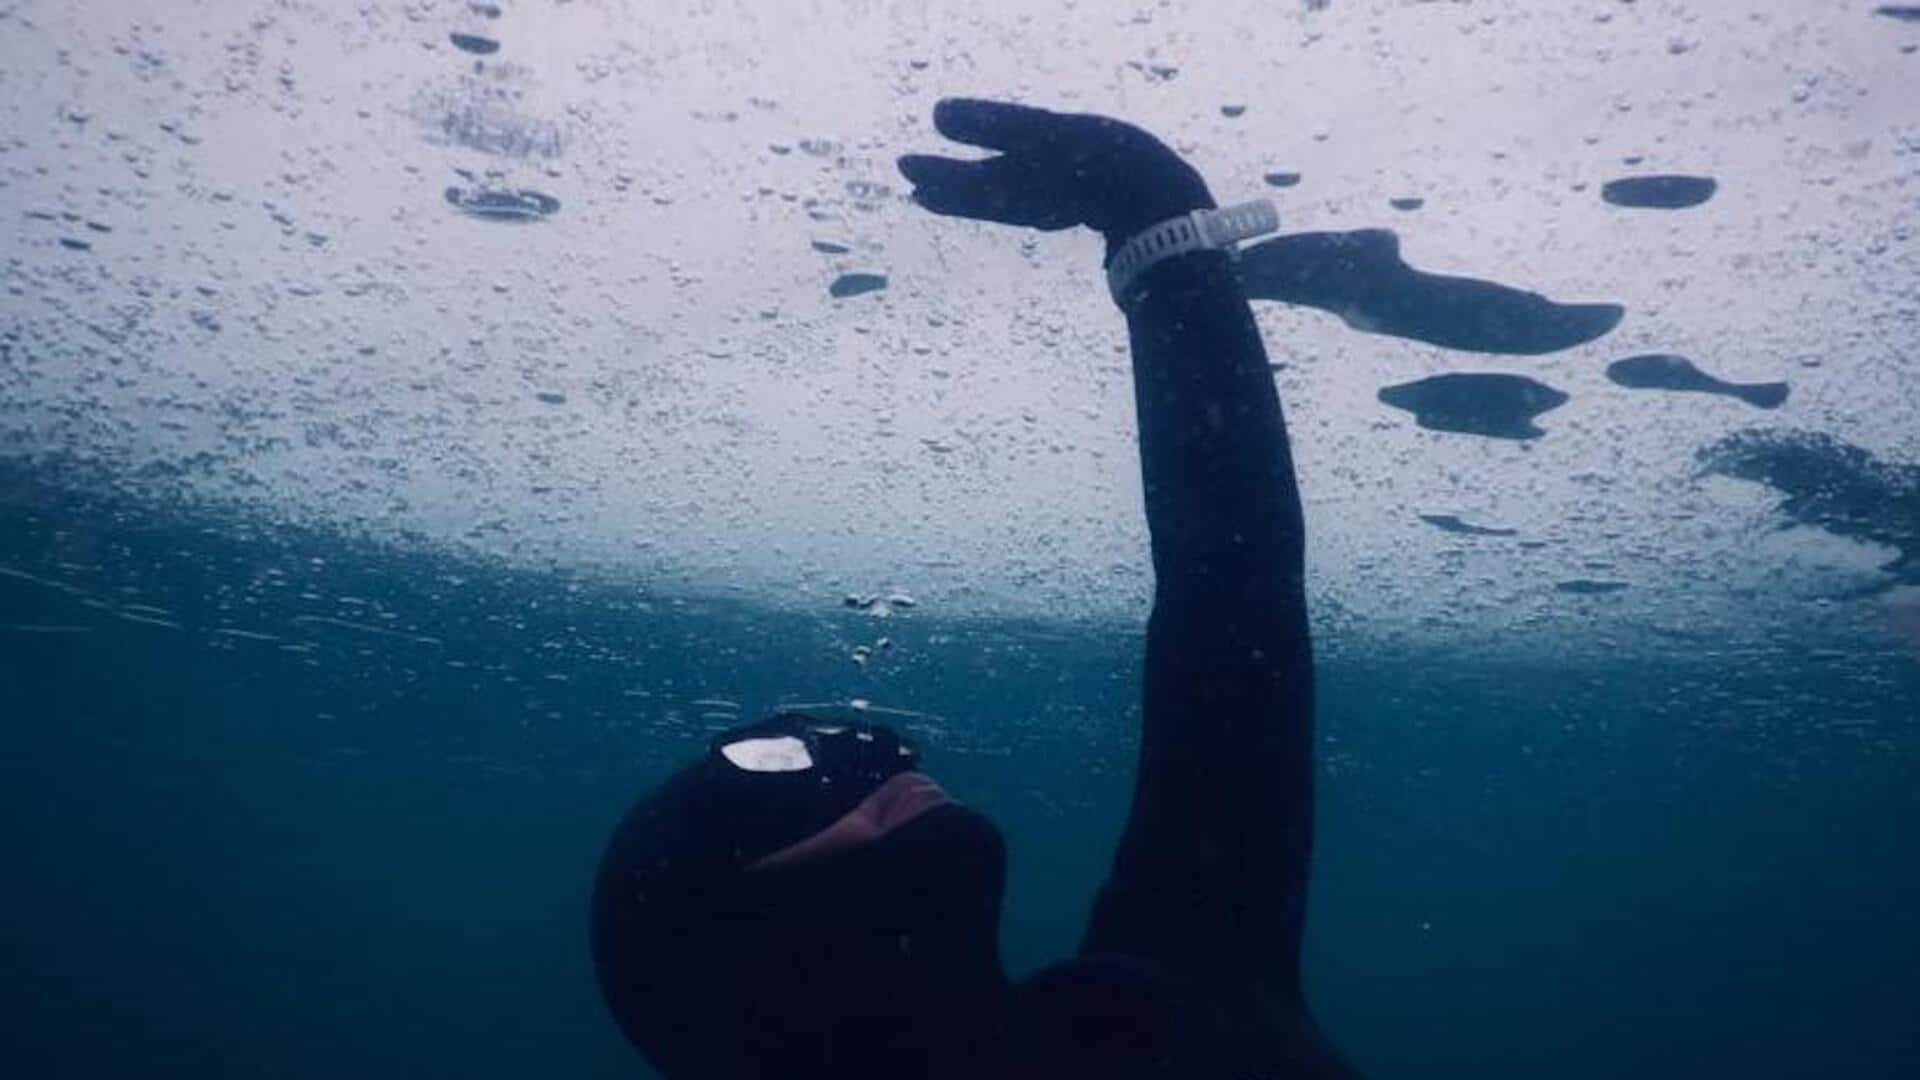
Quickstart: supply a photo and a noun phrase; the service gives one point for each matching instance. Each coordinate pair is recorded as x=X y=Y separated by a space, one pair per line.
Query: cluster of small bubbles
x=879 y=605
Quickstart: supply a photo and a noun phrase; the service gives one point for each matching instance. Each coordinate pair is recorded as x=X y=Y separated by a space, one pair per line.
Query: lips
x=901 y=799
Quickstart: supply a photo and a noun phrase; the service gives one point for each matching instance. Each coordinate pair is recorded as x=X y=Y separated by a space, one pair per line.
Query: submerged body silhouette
x=765 y=925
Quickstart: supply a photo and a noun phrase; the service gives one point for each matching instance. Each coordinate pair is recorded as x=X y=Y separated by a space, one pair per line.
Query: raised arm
x=1210 y=877
x=1211 y=871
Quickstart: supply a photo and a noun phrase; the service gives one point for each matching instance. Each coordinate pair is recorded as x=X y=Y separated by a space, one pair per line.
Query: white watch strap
x=1201 y=230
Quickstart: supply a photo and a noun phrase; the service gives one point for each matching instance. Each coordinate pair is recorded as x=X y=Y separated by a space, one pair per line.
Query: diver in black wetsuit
x=803 y=902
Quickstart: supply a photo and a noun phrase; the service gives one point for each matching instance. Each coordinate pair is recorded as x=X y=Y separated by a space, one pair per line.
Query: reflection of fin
x=1360 y=277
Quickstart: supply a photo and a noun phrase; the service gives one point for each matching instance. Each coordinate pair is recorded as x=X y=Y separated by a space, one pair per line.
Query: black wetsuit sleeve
x=1210 y=877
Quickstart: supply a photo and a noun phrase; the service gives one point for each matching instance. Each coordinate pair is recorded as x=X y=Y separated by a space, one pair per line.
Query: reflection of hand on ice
x=1903 y=614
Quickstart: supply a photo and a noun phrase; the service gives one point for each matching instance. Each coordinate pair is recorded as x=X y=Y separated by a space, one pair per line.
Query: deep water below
x=355 y=838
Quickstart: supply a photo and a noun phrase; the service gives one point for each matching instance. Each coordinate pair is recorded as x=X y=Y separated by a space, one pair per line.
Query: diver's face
x=893 y=804
x=891 y=946
x=909 y=868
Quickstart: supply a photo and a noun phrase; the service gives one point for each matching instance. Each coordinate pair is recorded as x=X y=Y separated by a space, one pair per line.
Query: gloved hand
x=1054 y=171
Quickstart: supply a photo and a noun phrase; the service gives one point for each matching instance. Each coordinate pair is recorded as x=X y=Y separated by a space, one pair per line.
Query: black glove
x=1054 y=171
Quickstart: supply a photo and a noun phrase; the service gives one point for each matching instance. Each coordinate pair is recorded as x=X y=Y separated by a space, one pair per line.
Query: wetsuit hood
x=873 y=959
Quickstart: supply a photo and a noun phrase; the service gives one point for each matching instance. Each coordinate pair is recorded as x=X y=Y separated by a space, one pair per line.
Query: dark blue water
x=359 y=843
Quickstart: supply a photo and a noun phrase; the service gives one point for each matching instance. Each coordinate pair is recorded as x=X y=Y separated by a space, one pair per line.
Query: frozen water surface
x=233 y=279
x=422 y=422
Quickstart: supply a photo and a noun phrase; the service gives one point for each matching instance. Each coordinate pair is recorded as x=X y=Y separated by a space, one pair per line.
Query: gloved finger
x=996 y=125
x=997 y=189
x=929 y=170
